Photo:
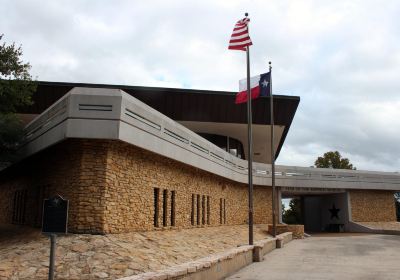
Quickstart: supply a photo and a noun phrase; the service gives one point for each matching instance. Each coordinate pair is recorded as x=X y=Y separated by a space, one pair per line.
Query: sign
x=55 y=215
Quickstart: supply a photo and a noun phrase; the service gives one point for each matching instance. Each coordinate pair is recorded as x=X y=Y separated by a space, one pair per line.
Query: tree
x=16 y=89
x=333 y=160
x=293 y=214
x=397 y=202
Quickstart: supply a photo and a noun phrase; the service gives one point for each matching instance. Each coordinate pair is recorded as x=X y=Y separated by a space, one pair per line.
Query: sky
x=341 y=57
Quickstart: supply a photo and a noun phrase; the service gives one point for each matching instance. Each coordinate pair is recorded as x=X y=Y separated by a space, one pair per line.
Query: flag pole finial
x=246 y=14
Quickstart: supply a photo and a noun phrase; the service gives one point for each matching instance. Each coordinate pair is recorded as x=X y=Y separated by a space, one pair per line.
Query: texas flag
x=259 y=86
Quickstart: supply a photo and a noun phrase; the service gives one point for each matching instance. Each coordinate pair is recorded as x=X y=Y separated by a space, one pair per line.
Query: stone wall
x=111 y=186
x=133 y=174
x=372 y=206
x=296 y=230
x=71 y=169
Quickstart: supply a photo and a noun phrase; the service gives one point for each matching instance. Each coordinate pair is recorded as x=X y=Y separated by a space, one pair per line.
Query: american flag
x=240 y=38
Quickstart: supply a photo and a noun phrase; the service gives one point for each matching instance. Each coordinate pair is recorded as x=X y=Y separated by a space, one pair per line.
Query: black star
x=334 y=212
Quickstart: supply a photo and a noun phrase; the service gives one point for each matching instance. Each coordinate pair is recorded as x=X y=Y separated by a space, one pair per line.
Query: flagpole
x=272 y=153
x=250 y=146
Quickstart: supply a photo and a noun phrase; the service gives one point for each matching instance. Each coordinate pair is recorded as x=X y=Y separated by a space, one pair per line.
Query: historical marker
x=55 y=215
x=55 y=220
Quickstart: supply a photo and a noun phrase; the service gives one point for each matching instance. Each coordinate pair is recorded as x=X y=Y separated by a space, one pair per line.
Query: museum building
x=142 y=158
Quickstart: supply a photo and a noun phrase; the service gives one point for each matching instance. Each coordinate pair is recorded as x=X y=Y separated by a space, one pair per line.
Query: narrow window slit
x=156 y=207
x=203 y=210
x=208 y=210
x=172 y=208
x=193 y=209
x=198 y=209
x=165 y=208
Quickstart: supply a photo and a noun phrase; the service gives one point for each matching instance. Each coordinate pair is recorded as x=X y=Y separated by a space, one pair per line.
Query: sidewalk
x=330 y=257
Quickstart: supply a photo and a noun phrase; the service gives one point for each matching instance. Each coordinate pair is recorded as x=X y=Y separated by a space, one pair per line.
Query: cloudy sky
x=341 y=57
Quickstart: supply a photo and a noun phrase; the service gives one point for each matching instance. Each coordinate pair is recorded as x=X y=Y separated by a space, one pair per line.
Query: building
x=135 y=158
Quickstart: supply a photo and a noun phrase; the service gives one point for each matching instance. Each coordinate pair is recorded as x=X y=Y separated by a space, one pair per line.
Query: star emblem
x=334 y=212
x=264 y=83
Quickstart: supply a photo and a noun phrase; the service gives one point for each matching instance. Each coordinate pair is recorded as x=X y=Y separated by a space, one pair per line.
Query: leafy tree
x=397 y=199
x=16 y=89
x=333 y=160
x=293 y=215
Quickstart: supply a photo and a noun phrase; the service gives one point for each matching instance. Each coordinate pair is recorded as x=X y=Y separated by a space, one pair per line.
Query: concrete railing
x=219 y=265
x=113 y=114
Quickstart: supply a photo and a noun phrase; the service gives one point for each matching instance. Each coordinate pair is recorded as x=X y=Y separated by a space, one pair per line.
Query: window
x=172 y=208
x=231 y=145
x=165 y=208
x=208 y=210
x=198 y=209
x=19 y=206
x=156 y=206
x=193 y=209
x=203 y=210
x=222 y=211
x=40 y=193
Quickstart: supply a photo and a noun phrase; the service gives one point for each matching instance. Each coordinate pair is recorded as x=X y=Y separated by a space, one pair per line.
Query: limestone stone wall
x=296 y=230
x=133 y=174
x=111 y=186
x=72 y=169
x=372 y=206
x=262 y=205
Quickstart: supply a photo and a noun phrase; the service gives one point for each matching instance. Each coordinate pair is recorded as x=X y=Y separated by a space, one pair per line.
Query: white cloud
x=341 y=57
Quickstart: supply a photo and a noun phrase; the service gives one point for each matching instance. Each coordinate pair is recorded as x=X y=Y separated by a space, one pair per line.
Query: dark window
x=220 y=211
x=156 y=206
x=208 y=210
x=165 y=207
x=224 y=211
x=198 y=209
x=173 y=208
x=203 y=210
x=226 y=143
x=40 y=195
x=193 y=209
x=19 y=207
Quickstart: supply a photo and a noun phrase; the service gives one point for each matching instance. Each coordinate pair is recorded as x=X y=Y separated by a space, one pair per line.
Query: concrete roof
x=96 y=113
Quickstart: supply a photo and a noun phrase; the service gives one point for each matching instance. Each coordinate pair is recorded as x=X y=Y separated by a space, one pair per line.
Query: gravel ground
x=24 y=252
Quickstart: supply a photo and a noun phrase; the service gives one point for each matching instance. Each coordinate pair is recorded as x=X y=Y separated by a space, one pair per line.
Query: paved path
x=330 y=257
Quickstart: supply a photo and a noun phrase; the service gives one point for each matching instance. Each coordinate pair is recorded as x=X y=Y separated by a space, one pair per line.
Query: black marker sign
x=55 y=215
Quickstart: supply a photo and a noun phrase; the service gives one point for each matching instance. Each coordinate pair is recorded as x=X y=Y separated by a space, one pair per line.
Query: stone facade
x=372 y=206
x=73 y=169
x=111 y=187
x=134 y=175
x=115 y=187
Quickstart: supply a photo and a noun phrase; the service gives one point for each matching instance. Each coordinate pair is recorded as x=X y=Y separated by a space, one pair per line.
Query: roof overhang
x=199 y=110
x=94 y=113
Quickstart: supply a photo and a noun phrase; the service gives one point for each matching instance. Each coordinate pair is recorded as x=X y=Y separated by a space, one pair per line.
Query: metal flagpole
x=250 y=147
x=272 y=153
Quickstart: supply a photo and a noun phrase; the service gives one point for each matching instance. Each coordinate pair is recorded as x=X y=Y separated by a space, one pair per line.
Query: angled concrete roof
x=95 y=113
x=204 y=110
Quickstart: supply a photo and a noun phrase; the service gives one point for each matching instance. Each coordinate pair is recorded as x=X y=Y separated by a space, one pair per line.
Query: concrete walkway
x=330 y=257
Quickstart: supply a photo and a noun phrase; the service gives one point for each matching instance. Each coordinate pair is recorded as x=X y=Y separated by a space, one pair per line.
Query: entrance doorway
x=317 y=211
